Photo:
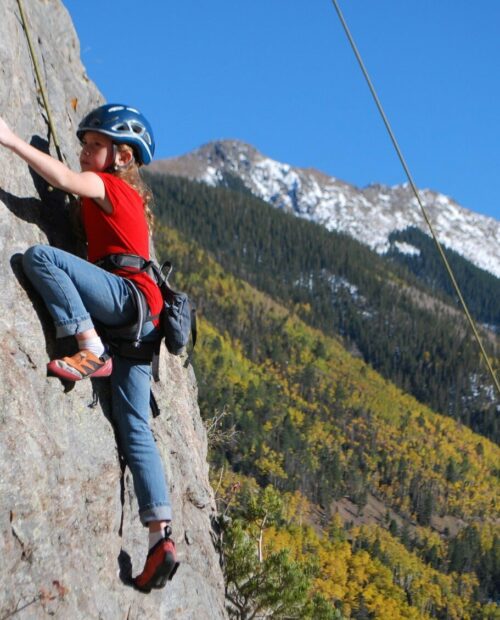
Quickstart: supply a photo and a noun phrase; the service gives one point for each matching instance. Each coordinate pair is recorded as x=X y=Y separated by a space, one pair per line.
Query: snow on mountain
x=369 y=215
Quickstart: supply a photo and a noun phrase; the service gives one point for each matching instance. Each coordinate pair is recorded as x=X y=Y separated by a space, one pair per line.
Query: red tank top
x=124 y=231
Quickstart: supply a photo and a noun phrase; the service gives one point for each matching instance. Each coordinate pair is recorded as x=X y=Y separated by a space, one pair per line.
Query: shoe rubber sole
x=164 y=572
x=53 y=370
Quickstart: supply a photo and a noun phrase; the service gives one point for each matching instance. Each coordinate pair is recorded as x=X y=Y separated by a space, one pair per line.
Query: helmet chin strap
x=111 y=167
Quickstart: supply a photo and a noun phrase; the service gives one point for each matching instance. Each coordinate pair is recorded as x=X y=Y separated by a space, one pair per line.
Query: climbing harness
x=417 y=196
x=177 y=316
x=177 y=319
x=39 y=80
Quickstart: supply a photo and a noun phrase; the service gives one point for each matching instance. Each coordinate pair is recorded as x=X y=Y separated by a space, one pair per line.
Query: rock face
x=70 y=534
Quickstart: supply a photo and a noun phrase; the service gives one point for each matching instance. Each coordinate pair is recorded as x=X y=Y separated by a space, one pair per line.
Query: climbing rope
x=41 y=86
x=417 y=196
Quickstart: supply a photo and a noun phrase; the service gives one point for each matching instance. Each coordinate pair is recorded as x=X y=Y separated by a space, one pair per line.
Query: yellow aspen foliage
x=297 y=508
x=270 y=463
x=278 y=539
x=333 y=560
x=430 y=591
x=371 y=583
x=384 y=608
x=268 y=426
x=296 y=416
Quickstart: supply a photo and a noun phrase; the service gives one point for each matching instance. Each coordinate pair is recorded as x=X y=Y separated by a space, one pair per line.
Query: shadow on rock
x=55 y=213
x=16 y=264
x=55 y=348
x=125 y=568
x=102 y=396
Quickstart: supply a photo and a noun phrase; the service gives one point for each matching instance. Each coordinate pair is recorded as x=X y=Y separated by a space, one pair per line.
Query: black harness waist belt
x=127 y=262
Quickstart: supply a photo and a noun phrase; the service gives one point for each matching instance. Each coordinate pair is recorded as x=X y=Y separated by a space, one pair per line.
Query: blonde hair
x=132 y=176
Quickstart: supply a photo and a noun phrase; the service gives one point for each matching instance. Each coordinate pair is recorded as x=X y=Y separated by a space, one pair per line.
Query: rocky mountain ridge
x=369 y=215
x=70 y=536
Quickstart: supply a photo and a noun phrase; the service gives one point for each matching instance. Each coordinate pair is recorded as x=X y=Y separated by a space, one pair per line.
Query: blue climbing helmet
x=124 y=125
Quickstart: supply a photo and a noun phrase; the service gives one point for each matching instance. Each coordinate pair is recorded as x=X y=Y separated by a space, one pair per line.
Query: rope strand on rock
x=39 y=80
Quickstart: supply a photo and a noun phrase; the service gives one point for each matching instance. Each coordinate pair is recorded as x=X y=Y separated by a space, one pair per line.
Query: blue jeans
x=74 y=291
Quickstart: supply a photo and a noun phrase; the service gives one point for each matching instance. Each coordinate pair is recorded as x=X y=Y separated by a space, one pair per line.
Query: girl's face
x=97 y=152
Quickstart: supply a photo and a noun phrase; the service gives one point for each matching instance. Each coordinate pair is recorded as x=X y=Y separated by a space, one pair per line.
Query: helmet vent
x=136 y=128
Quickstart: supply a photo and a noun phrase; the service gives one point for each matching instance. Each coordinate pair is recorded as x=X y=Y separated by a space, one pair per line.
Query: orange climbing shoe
x=161 y=565
x=80 y=366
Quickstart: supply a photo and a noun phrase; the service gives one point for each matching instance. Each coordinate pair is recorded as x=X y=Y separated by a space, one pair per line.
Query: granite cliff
x=70 y=534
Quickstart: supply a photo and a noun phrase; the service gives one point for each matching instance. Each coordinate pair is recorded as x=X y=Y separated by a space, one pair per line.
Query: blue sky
x=280 y=75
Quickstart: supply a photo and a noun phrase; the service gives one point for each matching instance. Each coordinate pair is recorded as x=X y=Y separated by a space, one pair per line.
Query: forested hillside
x=480 y=288
x=390 y=317
x=297 y=426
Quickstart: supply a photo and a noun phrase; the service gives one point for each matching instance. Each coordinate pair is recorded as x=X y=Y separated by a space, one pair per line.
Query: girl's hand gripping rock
x=6 y=134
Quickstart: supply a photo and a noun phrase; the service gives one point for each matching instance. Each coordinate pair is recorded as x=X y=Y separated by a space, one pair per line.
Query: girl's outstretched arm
x=56 y=173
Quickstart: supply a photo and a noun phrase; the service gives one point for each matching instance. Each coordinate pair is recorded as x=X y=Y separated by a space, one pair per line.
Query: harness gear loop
x=417 y=195
x=39 y=80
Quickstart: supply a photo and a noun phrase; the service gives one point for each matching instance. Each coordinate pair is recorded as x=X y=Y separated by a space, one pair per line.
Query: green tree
x=274 y=586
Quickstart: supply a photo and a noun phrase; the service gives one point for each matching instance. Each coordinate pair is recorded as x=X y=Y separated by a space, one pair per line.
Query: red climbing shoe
x=160 y=566
x=81 y=365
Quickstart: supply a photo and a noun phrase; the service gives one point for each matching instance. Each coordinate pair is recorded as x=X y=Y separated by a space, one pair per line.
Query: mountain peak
x=369 y=215
x=228 y=150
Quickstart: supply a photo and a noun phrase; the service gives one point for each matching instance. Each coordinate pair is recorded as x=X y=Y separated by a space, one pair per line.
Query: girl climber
x=116 y=141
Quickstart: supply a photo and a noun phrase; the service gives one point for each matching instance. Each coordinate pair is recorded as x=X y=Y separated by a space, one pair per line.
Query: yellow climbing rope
x=417 y=195
x=41 y=86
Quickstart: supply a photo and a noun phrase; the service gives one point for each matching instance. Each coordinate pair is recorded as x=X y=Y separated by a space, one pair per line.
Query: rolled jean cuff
x=156 y=513
x=73 y=327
